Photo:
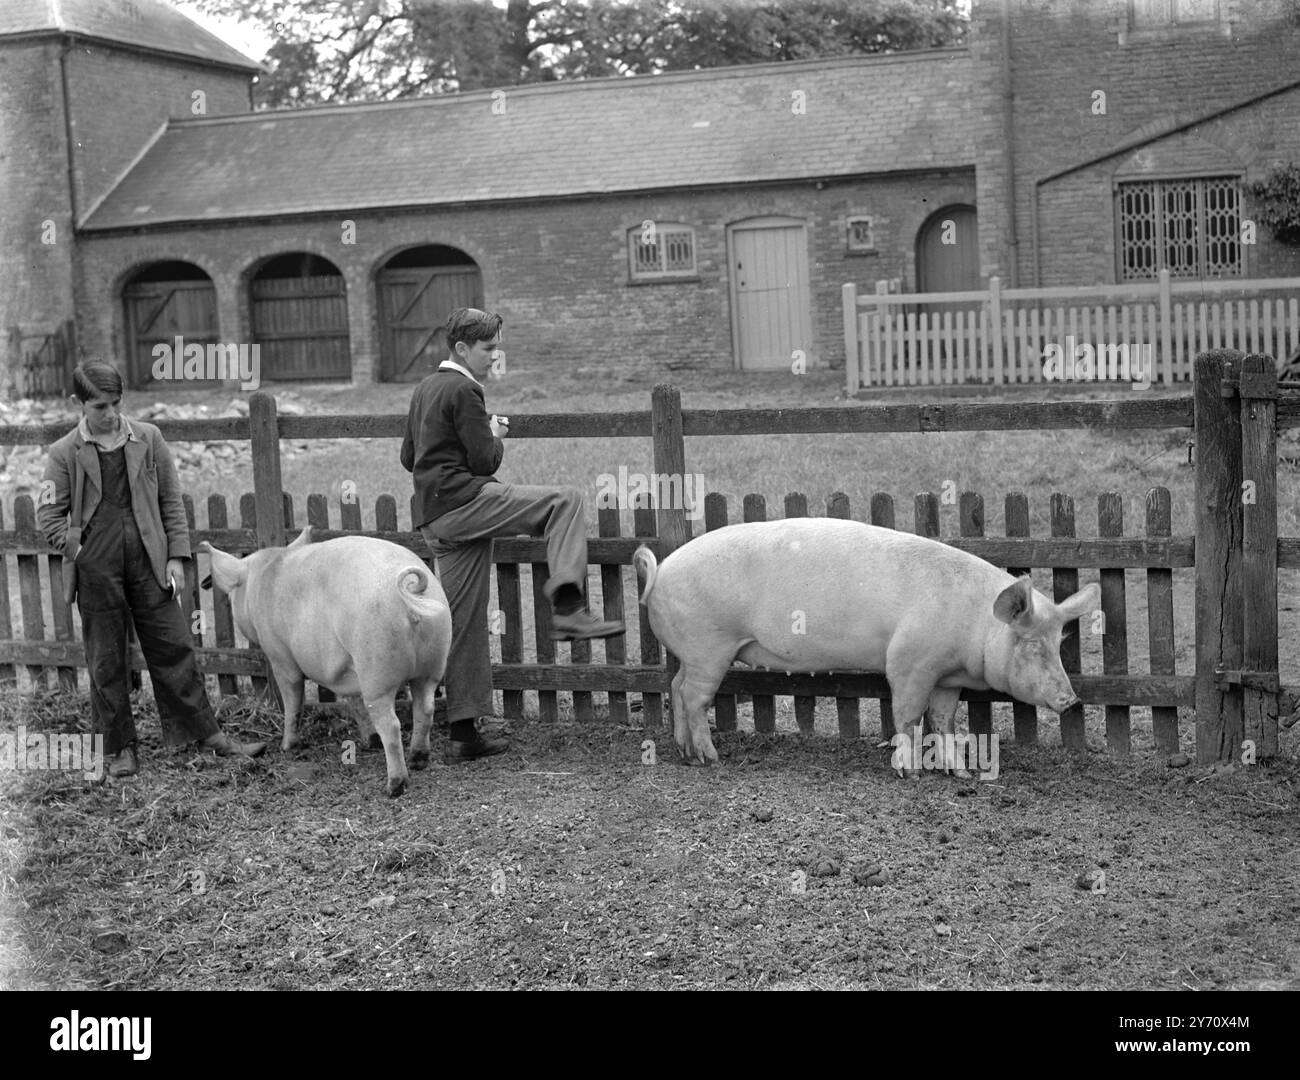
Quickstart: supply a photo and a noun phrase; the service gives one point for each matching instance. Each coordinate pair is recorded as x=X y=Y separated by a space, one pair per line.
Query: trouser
x=461 y=541
x=115 y=583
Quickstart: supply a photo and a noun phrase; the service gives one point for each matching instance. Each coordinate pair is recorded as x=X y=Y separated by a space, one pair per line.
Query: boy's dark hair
x=470 y=325
x=91 y=378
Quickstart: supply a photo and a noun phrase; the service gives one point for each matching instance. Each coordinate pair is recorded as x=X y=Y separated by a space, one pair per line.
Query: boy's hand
x=500 y=425
x=175 y=577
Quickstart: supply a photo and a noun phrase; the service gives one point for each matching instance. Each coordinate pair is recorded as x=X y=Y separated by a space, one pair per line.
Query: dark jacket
x=449 y=447
x=155 y=493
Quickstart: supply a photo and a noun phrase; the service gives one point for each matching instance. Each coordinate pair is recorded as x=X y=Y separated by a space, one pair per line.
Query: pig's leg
x=422 y=702
x=910 y=694
x=290 y=682
x=384 y=718
x=679 y=712
x=693 y=690
x=943 y=711
x=369 y=737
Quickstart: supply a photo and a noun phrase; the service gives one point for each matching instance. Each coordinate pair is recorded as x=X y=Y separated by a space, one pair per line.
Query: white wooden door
x=771 y=320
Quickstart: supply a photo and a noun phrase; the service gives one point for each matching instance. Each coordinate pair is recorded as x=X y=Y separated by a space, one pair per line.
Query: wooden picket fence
x=1235 y=688
x=998 y=336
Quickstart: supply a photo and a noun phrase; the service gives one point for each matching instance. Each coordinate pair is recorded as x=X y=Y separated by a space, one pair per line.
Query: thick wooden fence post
x=1259 y=552
x=671 y=522
x=264 y=430
x=1219 y=612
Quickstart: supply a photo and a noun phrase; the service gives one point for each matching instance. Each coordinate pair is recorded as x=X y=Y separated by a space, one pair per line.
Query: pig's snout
x=1066 y=700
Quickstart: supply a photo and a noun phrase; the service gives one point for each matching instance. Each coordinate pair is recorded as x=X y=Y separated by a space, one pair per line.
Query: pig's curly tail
x=647 y=570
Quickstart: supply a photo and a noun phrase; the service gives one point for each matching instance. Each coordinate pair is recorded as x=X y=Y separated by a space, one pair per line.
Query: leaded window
x=1191 y=227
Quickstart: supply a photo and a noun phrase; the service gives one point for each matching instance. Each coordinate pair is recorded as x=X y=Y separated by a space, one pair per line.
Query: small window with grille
x=861 y=236
x=1192 y=227
x=657 y=251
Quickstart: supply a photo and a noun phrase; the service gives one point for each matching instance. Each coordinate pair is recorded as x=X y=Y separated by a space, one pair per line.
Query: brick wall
x=35 y=278
x=120 y=98
x=557 y=272
x=1062 y=51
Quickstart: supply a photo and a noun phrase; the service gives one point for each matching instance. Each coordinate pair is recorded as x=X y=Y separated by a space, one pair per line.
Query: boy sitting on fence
x=452 y=448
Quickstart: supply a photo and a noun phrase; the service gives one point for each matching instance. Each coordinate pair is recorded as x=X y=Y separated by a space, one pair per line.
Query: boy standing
x=452 y=448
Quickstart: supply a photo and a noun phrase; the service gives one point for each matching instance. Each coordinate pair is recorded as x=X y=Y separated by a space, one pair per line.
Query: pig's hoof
x=396 y=786
x=419 y=759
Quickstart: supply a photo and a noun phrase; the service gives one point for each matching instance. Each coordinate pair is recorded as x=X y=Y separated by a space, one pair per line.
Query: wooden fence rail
x=1235 y=687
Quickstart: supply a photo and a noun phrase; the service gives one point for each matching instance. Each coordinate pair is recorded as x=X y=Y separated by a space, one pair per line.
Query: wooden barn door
x=301 y=324
x=157 y=312
x=769 y=293
x=413 y=306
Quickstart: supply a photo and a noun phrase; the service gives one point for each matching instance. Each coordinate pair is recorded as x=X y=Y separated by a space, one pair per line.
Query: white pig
x=824 y=594
x=355 y=614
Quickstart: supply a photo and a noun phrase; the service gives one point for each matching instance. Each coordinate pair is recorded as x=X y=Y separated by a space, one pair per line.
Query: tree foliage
x=375 y=50
x=1277 y=203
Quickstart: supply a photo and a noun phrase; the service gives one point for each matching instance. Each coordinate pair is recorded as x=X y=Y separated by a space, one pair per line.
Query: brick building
x=704 y=218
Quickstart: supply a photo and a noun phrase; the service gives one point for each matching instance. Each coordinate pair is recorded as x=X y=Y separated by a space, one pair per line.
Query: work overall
x=115 y=581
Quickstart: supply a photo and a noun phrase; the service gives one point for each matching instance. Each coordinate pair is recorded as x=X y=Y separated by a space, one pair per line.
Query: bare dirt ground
x=570 y=862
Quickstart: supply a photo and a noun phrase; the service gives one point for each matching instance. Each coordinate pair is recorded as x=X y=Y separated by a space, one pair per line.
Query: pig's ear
x=304 y=538
x=1015 y=603
x=1080 y=603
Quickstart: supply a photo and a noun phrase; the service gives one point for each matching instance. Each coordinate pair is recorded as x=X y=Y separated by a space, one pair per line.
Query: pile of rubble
x=21 y=467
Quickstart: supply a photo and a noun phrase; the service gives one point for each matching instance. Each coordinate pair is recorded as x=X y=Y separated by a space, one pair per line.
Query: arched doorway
x=162 y=302
x=299 y=307
x=416 y=290
x=948 y=251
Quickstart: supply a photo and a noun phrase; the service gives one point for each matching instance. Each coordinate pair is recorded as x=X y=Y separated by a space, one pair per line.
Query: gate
x=157 y=313
x=414 y=303
x=301 y=324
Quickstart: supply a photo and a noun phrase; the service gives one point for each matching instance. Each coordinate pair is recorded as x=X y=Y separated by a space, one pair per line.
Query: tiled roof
x=724 y=126
x=145 y=24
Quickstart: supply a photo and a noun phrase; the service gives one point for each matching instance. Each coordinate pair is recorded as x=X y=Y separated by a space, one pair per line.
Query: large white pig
x=824 y=594
x=355 y=614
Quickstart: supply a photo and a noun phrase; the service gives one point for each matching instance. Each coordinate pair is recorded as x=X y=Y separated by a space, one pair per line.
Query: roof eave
x=251 y=66
x=88 y=225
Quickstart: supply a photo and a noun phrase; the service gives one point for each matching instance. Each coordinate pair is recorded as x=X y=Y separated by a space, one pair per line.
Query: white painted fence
x=907 y=339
